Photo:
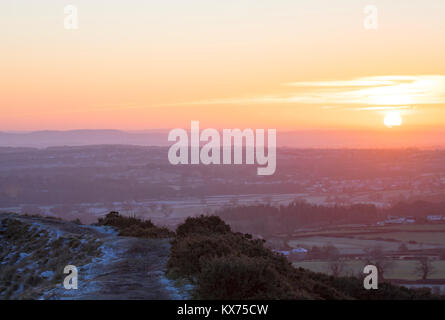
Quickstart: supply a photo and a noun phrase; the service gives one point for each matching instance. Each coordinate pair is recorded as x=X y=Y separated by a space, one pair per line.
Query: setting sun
x=392 y=119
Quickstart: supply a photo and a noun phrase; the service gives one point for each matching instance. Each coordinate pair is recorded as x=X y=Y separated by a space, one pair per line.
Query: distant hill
x=44 y=139
x=330 y=139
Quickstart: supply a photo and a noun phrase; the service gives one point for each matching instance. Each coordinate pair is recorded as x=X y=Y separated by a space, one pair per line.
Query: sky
x=289 y=65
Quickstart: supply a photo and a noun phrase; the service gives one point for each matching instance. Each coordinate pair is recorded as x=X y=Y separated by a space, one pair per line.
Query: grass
x=28 y=250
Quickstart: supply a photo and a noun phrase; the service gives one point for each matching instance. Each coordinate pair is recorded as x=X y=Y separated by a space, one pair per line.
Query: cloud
x=370 y=93
x=382 y=108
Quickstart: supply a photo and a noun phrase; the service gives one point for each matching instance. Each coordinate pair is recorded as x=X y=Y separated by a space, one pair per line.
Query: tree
x=424 y=267
x=336 y=267
x=377 y=258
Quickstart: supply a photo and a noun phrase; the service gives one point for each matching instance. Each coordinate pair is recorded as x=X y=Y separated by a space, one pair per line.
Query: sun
x=392 y=119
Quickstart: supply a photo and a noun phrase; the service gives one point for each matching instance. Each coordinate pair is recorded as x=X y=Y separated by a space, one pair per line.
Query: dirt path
x=129 y=268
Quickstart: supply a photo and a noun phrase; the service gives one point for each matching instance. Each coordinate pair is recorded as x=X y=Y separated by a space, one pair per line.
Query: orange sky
x=288 y=65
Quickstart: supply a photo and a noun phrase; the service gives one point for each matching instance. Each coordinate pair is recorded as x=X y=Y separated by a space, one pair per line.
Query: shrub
x=242 y=277
x=134 y=227
x=206 y=225
x=186 y=253
x=114 y=219
x=141 y=232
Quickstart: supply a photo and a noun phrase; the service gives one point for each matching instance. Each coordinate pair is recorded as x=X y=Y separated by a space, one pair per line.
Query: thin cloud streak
x=377 y=93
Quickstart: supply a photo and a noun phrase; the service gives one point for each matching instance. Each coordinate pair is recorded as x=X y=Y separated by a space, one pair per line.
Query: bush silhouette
x=134 y=227
x=241 y=277
x=203 y=225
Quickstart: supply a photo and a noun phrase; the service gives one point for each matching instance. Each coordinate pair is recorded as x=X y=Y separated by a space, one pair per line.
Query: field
x=426 y=238
x=401 y=244
x=405 y=270
x=354 y=239
x=355 y=245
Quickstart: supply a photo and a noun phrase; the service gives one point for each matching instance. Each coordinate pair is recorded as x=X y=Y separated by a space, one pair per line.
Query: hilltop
x=34 y=251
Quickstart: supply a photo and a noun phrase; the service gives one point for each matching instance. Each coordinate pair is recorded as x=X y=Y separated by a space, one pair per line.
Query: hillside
x=34 y=251
x=127 y=258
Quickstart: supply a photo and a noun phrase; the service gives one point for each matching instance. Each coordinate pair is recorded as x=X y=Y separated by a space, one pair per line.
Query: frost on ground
x=35 y=250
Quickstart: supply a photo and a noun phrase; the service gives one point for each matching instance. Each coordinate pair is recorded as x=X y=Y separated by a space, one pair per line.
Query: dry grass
x=33 y=259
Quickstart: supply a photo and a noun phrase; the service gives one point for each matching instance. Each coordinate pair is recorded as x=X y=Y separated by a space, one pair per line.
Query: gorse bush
x=243 y=277
x=204 y=225
x=134 y=227
x=207 y=237
x=229 y=265
x=186 y=252
x=116 y=220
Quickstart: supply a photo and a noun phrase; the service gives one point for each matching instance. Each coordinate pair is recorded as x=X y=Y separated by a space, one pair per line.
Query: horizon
x=297 y=139
x=272 y=67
